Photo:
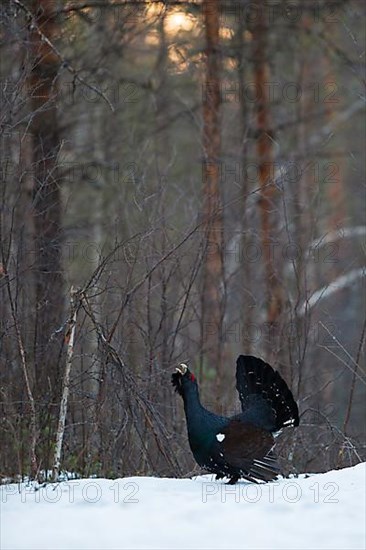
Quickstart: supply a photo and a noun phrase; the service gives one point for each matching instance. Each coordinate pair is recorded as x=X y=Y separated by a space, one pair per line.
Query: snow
x=220 y=437
x=323 y=511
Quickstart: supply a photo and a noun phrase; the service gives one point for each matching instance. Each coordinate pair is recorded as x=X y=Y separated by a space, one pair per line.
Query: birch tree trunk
x=69 y=340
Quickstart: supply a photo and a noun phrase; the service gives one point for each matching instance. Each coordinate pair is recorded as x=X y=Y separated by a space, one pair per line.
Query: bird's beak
x=182 y=369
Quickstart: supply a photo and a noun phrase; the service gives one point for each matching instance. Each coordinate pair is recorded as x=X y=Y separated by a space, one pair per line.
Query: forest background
x=180 y=181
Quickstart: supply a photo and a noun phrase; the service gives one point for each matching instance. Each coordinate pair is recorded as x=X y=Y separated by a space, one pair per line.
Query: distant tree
x=212 y=294
x=268 y=203
x=44 y=67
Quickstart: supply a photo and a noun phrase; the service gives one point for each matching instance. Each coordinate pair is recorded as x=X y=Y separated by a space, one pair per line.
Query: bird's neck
x=199 y=419
x=192 y=403
x=196 y=417
x=202 y=425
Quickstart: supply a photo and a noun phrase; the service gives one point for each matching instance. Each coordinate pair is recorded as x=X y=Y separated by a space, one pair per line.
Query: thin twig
x=65 y=63
x=32 y=405
x=350 y=401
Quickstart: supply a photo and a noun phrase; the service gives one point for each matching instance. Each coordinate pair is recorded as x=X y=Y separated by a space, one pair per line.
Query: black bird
x=240 y=446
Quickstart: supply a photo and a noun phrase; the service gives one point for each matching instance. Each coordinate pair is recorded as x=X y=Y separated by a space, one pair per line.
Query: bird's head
x=183 y=379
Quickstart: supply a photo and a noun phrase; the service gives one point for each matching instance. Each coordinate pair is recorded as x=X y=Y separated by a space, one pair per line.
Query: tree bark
x=212 y=209
x=268 y=193
x=70 y=340
x=46 y=198
x=245 y=266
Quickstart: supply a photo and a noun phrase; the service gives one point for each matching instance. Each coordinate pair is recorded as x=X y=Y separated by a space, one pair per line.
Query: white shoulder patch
x=220 y=437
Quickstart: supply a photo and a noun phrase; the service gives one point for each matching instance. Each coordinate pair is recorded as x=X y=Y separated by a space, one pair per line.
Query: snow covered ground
x=317 y=512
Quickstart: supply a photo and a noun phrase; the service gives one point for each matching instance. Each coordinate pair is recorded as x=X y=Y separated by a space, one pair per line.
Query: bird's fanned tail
x=264 y=395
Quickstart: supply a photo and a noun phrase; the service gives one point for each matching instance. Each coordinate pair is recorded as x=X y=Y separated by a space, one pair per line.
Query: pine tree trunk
x=46 y=199
x=245 y=266
x=334 y=171
x=267 y=205
x=212 y=208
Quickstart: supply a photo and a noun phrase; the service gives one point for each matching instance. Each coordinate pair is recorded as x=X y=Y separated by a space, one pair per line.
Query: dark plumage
x=239 y=446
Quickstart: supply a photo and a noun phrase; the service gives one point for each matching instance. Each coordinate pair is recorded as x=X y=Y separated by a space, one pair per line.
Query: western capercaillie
x=240 y=446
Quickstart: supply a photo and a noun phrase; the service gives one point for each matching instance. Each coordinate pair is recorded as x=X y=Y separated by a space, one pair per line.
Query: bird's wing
x=249 y=448
x=265 y=398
